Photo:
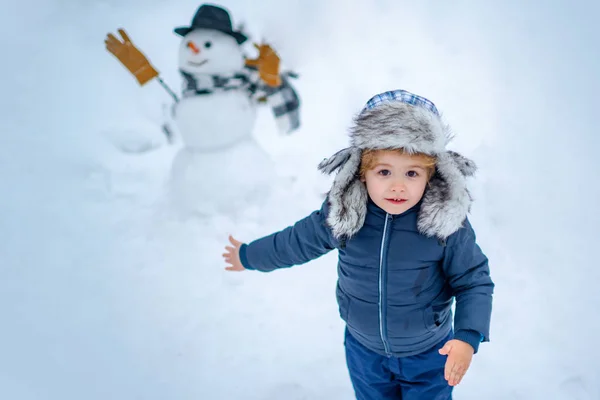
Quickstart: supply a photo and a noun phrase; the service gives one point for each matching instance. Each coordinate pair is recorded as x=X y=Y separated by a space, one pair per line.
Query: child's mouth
x=397 y=201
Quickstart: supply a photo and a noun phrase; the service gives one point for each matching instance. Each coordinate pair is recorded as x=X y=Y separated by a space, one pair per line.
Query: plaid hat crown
x=402 y=96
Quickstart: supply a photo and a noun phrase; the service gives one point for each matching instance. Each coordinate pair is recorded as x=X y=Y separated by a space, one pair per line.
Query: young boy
x=397 y=214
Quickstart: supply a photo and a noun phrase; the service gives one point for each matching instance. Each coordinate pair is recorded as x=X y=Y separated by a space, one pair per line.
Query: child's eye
x=412 y=174
x=384 y=172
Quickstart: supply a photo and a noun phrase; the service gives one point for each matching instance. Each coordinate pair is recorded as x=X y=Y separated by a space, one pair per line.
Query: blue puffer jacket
x=395 y=285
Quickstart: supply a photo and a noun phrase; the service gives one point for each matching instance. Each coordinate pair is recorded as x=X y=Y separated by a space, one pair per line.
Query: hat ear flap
x=329 y=165
x=347 y=215
x=466 y=166
x=447 y=200
x=348 y=196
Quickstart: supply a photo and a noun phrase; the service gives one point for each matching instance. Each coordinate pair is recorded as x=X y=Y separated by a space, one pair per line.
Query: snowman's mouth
x=197 y=64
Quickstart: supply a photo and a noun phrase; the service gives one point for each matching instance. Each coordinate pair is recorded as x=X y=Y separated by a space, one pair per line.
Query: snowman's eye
x=207 y=45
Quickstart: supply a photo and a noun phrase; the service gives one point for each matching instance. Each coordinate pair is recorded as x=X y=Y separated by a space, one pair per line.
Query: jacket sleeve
x=467 y=271
x=306 y=240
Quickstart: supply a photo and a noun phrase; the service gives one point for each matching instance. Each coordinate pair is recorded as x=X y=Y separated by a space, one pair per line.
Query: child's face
x=396 y=182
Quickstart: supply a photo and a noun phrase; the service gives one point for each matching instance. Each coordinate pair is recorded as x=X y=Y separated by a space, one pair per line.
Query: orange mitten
x=267 y=64
x=130 y=57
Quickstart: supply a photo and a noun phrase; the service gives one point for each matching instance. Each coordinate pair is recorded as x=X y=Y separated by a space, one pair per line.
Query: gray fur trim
x=329 y=165
x=395 y=125
x=446 y=201
x=466 y=166
x=348 y=195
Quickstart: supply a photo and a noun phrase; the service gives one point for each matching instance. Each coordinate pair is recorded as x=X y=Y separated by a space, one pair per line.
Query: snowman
x=220 y=167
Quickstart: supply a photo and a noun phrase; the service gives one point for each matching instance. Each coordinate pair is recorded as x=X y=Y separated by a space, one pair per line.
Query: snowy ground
x=105 y=294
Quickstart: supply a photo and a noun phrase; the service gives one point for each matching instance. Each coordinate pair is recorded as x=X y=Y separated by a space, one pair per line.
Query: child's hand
x=459 y=359
x=232 y=256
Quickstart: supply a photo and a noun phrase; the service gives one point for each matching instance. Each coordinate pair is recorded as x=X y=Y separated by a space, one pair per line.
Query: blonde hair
x=369 y=159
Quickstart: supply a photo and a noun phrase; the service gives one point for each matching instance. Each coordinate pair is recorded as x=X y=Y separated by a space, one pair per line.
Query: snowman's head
x=208 y=51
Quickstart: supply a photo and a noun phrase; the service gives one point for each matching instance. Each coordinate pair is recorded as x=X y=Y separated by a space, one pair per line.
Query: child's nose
x=398 y=186
x=192 y=46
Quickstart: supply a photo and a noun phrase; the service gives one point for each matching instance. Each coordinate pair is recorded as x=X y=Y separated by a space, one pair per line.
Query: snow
x=105 y=293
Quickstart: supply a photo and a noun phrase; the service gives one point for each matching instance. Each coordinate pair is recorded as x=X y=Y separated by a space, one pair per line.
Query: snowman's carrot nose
x=192 y=46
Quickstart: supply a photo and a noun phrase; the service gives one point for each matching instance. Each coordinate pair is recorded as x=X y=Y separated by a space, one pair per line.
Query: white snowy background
x=104 y=294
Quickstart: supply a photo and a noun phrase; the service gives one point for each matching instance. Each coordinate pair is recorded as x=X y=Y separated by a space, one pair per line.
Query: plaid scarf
x=284 y=100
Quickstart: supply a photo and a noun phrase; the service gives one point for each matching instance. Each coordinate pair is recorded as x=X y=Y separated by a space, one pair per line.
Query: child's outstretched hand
x=459 y=359
x=232 y=255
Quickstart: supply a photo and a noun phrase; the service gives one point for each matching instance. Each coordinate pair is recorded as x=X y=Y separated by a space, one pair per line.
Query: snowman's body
x=215 y=121
x=220 y=167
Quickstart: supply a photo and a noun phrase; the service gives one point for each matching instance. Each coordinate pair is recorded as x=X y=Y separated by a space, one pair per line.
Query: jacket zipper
x=382 y=287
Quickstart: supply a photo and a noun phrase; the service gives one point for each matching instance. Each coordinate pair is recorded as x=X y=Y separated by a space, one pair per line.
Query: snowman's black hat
x=212 y=17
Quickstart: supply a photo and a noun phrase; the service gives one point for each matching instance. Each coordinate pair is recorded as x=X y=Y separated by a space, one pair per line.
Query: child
x=397 y=214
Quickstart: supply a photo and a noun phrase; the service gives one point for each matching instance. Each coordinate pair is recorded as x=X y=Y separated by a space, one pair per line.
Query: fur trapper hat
x=400 y=120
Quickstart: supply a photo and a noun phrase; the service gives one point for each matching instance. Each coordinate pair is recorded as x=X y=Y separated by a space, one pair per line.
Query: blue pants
x=376 y=377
